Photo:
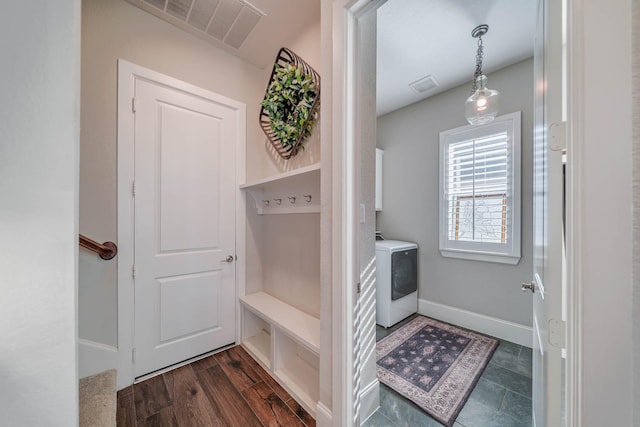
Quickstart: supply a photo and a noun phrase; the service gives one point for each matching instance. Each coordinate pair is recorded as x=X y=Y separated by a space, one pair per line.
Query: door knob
x=228 y=259
x=529 y=287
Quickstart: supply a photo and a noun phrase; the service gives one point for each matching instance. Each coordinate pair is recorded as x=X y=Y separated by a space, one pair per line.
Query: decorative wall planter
x=290 y=103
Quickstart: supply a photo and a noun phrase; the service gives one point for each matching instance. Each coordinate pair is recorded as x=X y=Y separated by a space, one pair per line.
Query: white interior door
x=547 y=283
x=184 y=225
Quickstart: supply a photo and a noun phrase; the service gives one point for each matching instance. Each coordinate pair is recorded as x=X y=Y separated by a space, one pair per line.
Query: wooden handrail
x=107 y=250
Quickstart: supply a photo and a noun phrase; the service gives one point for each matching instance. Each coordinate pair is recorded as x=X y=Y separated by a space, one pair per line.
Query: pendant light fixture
x=482 y=106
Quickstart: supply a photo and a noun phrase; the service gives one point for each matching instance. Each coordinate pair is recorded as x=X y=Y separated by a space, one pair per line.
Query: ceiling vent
x=228 y=21
x=425 y=84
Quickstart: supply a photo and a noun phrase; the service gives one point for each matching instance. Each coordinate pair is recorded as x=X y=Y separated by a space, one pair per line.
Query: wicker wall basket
x=286 y=56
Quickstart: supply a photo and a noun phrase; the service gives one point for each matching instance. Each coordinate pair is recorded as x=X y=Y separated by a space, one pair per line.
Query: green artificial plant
x=289 y=104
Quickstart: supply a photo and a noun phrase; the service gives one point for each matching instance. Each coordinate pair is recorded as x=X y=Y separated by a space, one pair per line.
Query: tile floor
x=502 y=397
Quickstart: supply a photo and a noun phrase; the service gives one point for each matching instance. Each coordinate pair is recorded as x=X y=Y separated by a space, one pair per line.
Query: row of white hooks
x=292 y=200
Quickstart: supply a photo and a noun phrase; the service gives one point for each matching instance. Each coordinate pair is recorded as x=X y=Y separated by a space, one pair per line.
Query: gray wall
x=636 y=205
x=39 y=134
x=600 y=248
x=410 y=138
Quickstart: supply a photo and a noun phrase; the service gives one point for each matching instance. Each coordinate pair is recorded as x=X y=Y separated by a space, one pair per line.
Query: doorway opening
x=363 y=161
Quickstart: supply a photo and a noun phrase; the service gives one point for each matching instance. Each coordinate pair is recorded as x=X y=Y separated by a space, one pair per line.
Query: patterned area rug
x=434 y=364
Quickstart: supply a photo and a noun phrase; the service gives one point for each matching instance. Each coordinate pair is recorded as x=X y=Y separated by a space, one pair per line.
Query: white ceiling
x=417 y=38
x=225 y=23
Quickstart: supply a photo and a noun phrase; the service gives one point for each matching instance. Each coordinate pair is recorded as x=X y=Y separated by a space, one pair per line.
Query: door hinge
x=133 y=355
x=558 y=136
x=133 y=188
x=133 y=271
x=133 y=105
x=359 y=287
x=557 y=333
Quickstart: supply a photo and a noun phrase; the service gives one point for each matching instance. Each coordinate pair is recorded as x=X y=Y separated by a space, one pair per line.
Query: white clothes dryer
x=396 y=281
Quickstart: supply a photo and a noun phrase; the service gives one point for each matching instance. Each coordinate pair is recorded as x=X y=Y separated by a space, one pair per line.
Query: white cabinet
x=282 y=337
x=379 y=159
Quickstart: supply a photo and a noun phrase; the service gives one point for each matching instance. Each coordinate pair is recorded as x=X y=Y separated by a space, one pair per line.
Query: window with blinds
x=480 y=186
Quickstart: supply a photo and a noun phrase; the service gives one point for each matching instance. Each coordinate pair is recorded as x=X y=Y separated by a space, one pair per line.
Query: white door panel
x=189 y=178
x=548 y=184
x=182 y=294
x=184 y=225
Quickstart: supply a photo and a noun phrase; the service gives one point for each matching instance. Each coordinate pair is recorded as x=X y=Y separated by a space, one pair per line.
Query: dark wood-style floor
x=226 y=389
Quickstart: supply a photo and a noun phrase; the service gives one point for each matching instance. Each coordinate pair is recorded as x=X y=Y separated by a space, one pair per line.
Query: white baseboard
x=324 y=417
x=369 y=399
x=94 y=357
x=503 y=329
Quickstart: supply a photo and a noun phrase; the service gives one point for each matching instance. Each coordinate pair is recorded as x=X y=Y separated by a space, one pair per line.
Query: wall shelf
x=296 y=191
x=300 y=326
x=286 y=342
x=282 y=338
x=299 y=374
x=257 y=338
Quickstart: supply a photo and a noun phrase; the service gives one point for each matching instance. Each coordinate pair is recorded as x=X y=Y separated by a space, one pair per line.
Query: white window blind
x=480 y=179
x=477 y=188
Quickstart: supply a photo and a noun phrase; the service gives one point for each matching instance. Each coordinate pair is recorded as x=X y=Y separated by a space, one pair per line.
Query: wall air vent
x=227 y=21
x=425 y=84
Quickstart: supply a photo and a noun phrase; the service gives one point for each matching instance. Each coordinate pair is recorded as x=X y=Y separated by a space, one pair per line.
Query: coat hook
x=266 y=202
x=292 y=199
x=278 y=201
x=307 y=198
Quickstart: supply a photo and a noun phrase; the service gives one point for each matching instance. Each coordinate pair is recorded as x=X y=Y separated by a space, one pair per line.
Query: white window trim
x=487 y=252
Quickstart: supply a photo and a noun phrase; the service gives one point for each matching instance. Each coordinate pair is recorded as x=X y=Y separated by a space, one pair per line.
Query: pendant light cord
x=474 y=85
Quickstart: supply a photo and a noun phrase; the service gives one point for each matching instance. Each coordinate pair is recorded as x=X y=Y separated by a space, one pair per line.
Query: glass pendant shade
x=482 y=106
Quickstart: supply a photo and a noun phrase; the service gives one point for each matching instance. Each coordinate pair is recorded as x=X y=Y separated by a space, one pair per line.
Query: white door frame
x=547 y=272
x=343 y=17
x=127 y=74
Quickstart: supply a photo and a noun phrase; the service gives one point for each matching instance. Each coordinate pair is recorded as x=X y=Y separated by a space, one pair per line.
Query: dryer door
x=404 y=273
